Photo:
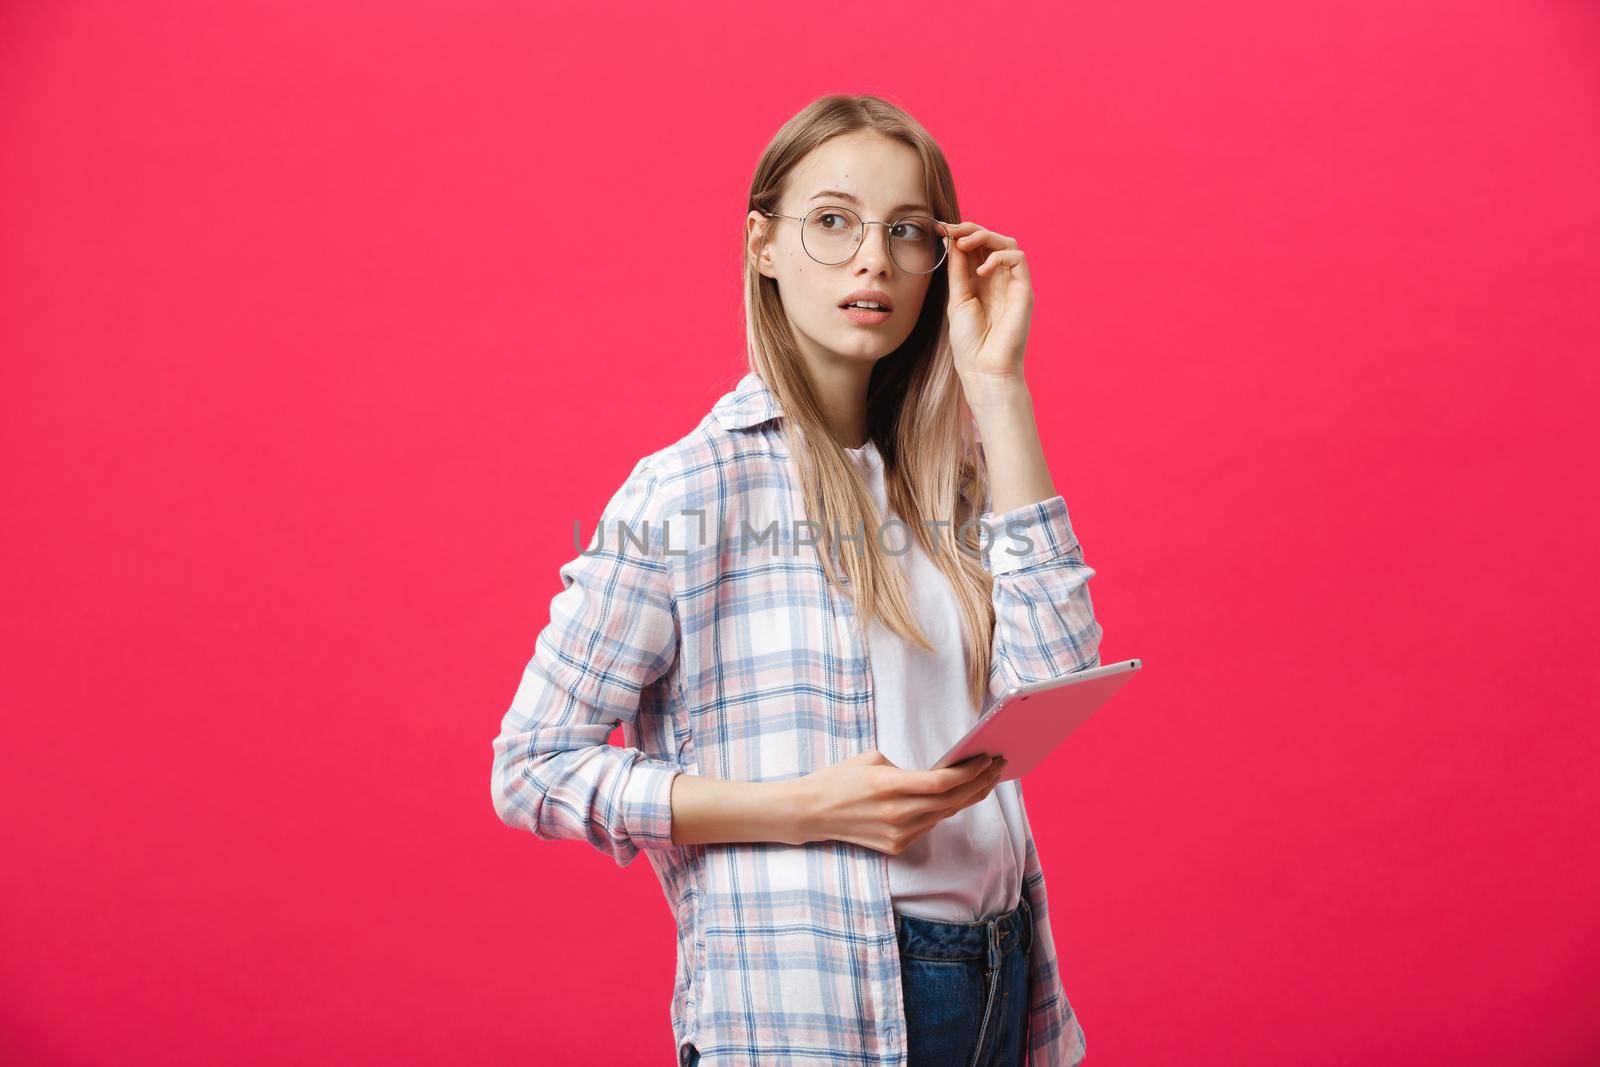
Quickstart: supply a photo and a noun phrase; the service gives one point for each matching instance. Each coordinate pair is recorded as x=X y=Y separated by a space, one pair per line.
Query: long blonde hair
x=916 y=413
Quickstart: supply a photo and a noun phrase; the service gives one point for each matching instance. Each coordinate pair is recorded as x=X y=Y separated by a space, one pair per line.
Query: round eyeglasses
x=831 y=235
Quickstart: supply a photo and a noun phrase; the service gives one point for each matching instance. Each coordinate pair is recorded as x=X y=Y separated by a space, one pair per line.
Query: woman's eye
x=908 y=230
x=823 y=218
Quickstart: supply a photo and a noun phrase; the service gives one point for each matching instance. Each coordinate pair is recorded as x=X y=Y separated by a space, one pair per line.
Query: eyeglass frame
x=943 y=237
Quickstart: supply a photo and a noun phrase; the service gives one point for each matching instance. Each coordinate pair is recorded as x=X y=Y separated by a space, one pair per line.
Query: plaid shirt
x=731 y=657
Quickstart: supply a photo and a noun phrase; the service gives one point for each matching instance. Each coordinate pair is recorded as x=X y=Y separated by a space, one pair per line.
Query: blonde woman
x=796 y=607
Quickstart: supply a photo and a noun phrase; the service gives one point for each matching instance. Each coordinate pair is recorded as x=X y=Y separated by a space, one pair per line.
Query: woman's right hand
x=869 y=801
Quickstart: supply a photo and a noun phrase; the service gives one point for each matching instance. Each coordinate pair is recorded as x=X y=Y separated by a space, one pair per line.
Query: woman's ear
x=756 y=243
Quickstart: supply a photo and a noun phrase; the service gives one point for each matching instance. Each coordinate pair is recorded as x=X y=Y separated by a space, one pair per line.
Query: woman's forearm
x=1012 y=451
x=714 y=810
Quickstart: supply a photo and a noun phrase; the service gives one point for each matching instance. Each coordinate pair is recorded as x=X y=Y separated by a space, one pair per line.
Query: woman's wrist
x=792 y=811
x=1000 y=398
x=1007 y=424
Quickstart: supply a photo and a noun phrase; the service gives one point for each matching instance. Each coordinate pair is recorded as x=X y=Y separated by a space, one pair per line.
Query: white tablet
x=1029 y=721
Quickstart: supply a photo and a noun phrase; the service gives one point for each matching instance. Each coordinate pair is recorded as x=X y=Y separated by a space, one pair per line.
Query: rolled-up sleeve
x=612 y=632
x=1044 y=617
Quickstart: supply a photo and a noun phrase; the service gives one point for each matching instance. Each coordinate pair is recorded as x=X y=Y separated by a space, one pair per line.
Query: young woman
x=798 y=606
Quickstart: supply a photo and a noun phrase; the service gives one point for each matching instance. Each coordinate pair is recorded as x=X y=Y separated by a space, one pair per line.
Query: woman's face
x=885 y=178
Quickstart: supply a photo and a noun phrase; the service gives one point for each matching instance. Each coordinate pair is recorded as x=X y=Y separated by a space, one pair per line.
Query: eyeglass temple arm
x=945 y=232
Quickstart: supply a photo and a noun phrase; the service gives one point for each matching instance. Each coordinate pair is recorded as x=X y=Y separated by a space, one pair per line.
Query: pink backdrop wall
x=323 y=322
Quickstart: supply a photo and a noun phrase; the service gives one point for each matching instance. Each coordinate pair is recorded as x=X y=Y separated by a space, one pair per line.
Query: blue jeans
x=966 y=988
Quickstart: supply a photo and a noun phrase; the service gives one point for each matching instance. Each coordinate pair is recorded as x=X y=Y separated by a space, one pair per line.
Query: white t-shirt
x=969 y=866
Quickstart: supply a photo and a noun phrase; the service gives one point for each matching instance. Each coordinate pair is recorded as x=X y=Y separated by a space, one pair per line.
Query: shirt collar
x=749 y=404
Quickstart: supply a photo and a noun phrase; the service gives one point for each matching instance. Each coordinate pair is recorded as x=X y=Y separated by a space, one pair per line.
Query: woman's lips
x=863 y=317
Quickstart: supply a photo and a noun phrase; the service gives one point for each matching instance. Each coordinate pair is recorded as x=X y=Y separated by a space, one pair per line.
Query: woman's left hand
x=991 y=304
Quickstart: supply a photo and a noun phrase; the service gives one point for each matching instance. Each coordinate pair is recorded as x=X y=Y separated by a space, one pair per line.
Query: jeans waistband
x=987 y=939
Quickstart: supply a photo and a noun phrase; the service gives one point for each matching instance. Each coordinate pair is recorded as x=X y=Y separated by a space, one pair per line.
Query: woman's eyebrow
x=842 y=195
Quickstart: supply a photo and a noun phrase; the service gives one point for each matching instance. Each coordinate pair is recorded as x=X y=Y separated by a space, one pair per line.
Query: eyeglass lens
x=831 y=235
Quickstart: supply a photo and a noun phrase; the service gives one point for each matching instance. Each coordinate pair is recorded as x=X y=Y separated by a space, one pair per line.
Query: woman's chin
x=867 y=348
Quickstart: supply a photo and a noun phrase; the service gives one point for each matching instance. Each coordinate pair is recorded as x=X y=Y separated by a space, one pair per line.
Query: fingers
x=1011 y=257
x=946 y=778
x=974 y=790
x=989 y=780
x=971 y=243
x=969 y=235
x=917 y=823
x=970 y=794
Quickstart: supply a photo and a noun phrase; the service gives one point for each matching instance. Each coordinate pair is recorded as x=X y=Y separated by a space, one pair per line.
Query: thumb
x=959 y=272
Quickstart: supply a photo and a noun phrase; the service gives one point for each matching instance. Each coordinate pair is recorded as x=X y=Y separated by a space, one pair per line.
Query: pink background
x=323 y=322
